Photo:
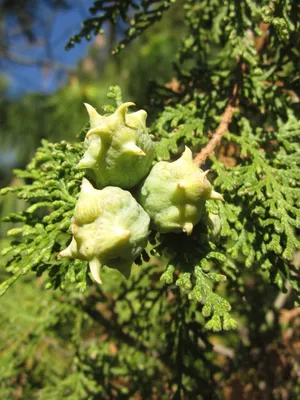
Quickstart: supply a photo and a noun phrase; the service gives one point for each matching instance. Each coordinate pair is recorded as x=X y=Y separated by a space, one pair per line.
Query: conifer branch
x=226 y=119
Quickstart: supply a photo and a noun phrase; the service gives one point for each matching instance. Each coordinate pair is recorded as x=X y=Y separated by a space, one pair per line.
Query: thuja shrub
x=220 y=251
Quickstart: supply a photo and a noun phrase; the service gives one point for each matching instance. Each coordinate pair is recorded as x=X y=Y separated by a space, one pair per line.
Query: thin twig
x=231 y=107
x=220 y=131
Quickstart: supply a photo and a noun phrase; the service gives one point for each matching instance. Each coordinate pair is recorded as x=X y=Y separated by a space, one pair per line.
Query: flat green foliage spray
x=208 y=251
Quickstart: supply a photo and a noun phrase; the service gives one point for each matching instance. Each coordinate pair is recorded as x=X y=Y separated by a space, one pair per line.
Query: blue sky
x=55 y=29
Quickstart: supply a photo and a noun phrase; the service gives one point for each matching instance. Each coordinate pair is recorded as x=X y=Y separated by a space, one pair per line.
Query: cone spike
x=95 y=266
x=132 y=148
x=94 y=116
x=188 y=228
x=86 y=186
x=68 y=252
x=121 y=111
x=187 y=154
x=204 y=173
x=99 y=131
x=216 y=196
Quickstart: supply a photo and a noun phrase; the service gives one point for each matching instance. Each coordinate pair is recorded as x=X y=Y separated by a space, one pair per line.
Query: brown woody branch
x=220 y=131
x=233 y=103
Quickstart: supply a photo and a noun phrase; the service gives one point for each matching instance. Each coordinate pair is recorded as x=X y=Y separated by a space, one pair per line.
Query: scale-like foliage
x=51 y=191
x=265 y=194
x=52 y=196
x=147 y=12
x=235 y=103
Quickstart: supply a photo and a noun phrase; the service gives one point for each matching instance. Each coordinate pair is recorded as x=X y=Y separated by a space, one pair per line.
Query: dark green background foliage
x=205 y=316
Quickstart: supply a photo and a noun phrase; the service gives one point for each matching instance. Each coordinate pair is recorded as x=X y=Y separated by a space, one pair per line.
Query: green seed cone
x=109 y=228
x=174 y=194
x=119 y=151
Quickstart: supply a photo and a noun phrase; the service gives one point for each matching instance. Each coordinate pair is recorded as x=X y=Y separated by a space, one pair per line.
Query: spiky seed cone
x=109 y=228
x=119 y=151
x=174 y=194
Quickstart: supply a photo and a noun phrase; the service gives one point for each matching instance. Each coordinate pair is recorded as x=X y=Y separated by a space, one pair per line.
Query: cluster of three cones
x=109 y=226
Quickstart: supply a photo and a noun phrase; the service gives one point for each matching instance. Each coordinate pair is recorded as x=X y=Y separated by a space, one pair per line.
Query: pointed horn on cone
x=204 y=173
x=216 y=196
x=101 y=131
x=93 y=114
x=69 y=251
x=86 y=186
x=187 y=154
x=188 y=228
x=121 y=111
x=133 y=149
x=95 y=266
